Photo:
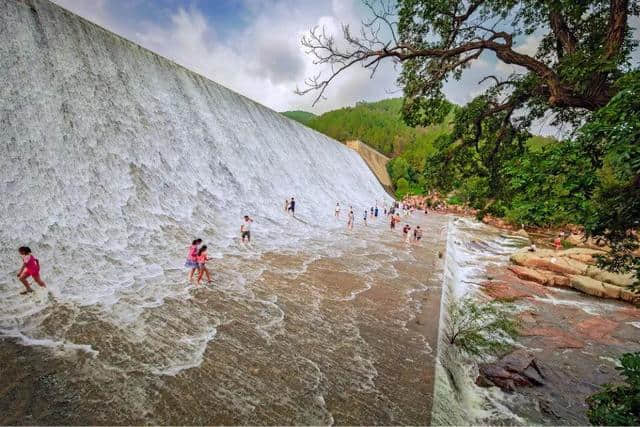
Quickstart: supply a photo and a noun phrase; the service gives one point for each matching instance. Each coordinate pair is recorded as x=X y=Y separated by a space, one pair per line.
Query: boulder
x=623 y=280
x=522 y=233
x=561 y=281
x=517 y=369
x=595 y=287
x=630 y=296
x=576 y=239
x=583 y=242
x=557 y=264
x=584 y=258
x=532 y=275
x=582 y=251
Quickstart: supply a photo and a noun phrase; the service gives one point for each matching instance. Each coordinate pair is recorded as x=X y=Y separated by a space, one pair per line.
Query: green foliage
x=377 y=124
x=619 y=404
x=454 y=200
x=479 y=328
x=303 y=117
x=611 y=140
x=402 y=188
x=550 y=185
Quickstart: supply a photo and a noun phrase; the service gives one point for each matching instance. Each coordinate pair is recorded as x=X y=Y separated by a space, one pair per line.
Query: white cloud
x=263 y=60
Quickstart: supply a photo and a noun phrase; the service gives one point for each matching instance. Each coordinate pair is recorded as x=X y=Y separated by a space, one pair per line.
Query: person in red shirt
x=202 y=259
x=30 y=267
x=557 y=243
x=192 y=262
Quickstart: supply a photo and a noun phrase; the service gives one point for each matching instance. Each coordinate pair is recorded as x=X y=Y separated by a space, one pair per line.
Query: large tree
x=585 y=47
x=581 y=77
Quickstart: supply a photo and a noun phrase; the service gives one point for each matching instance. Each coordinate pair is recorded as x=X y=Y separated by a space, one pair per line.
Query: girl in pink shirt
x=30 y=267
x=191 y=261
x=202 y=259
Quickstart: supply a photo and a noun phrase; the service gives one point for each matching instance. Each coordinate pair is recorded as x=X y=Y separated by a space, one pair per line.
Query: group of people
x=393 y=212
x=372 y=213
x=197 y=256
x=197 y=261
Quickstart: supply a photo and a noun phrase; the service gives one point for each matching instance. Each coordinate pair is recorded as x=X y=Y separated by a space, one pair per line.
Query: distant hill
x=378 y=124
x=303 y=117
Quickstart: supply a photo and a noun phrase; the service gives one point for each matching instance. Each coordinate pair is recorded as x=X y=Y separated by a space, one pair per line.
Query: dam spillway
x=112 y=159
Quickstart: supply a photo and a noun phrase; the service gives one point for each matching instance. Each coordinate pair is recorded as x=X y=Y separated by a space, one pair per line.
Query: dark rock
x=517 y=369
x=546 y=406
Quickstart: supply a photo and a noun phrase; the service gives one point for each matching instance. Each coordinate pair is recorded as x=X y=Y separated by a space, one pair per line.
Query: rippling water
x=340 y=330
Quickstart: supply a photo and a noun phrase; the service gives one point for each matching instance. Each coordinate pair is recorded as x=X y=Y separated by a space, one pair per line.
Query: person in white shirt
x=337 y=210
x=245 y=229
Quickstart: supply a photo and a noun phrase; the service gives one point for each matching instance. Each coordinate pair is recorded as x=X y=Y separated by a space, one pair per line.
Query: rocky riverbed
x=575 y=321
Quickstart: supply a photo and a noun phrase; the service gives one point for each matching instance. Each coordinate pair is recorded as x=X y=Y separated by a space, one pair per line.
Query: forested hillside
x=378 y=124
x=303 y=117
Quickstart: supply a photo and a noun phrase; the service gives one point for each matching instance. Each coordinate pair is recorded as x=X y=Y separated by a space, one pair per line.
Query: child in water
x=202 y=259
x=30 y=267
x=192 y=261
x=557 y=243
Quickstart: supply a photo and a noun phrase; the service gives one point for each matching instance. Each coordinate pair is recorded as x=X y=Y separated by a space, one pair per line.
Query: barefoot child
x=191 y=261
x=30 y=267
x=202 y=263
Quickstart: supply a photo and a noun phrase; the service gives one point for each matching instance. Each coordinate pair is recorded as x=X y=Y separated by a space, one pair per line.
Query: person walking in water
x=405 y=232
x=417 y=234
x=245 y=229
x=292 y=207
x=365 y=217
x=375 y=212
x=337 y=210
x=350 y=219
x=392 y=223
x=202 y=263
x=286 y=205
x=30 y=267
x=192 y=261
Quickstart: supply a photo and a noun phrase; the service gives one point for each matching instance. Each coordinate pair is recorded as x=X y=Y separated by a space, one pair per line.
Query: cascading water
x=112 y=159
x=471 y=248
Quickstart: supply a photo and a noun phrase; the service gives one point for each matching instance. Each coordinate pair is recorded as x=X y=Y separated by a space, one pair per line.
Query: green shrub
x=479 y=328
x=402 y=187
x=619 y=404
x=454 y=200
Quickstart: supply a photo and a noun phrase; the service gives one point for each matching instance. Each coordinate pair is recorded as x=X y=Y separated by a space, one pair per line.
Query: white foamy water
x=113 y=159
x=471 y=248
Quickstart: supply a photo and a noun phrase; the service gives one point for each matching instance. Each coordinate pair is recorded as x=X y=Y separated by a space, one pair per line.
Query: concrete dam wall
x=106 y=142
x=376 y=161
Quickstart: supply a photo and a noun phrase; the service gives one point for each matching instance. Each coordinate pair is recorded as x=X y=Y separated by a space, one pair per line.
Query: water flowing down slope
x=112 y=158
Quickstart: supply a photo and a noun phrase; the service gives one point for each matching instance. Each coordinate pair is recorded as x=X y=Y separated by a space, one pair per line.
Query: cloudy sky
x=253 y=46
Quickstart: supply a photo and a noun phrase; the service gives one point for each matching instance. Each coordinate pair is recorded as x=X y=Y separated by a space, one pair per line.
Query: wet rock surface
x=573 y=268
x=574 y=339
x=341 y=331
x=517 y=369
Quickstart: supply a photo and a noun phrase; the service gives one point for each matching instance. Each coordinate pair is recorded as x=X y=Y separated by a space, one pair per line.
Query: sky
x=253 y=47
